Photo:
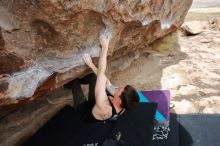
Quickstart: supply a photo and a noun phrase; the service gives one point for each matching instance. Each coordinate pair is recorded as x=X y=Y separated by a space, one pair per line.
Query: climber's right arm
x=110 y=88
x=102 y=109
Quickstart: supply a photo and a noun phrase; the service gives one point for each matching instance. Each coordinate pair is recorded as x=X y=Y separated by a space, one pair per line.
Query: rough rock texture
x=2 y=42
x=42 y=41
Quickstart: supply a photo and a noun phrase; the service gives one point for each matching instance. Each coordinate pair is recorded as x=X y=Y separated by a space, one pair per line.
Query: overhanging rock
x=41 y=42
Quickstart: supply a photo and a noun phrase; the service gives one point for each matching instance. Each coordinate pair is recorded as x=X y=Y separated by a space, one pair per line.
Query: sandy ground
x=202 y=14
x=205 y=3
x=203 y=10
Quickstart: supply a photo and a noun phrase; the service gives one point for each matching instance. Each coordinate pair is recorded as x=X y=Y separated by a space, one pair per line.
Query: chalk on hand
x=107 y=32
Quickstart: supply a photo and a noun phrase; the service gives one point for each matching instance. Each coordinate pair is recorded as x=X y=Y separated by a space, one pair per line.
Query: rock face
x=41 y=42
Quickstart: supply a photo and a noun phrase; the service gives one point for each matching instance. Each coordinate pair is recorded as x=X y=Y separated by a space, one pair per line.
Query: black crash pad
x=186 y=130
x=69 y=128
x=58 y=131
x=202 y=129
x=192 y=130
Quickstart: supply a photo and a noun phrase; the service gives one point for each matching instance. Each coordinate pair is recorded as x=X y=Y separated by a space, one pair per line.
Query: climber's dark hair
x=129 y=97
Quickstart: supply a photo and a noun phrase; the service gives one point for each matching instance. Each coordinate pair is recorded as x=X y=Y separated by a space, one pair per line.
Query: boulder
x=41 y=42
x=193 y=27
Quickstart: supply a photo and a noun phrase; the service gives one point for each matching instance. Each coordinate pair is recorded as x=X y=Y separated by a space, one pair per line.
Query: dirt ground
x=202 y=14
x=205 y=3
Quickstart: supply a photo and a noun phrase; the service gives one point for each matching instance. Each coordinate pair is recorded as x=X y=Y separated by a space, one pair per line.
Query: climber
x=104 y=107
x=101 y=109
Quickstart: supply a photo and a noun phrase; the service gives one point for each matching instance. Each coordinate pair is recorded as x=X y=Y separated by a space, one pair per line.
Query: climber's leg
x=91 y=80
x=78 y=96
